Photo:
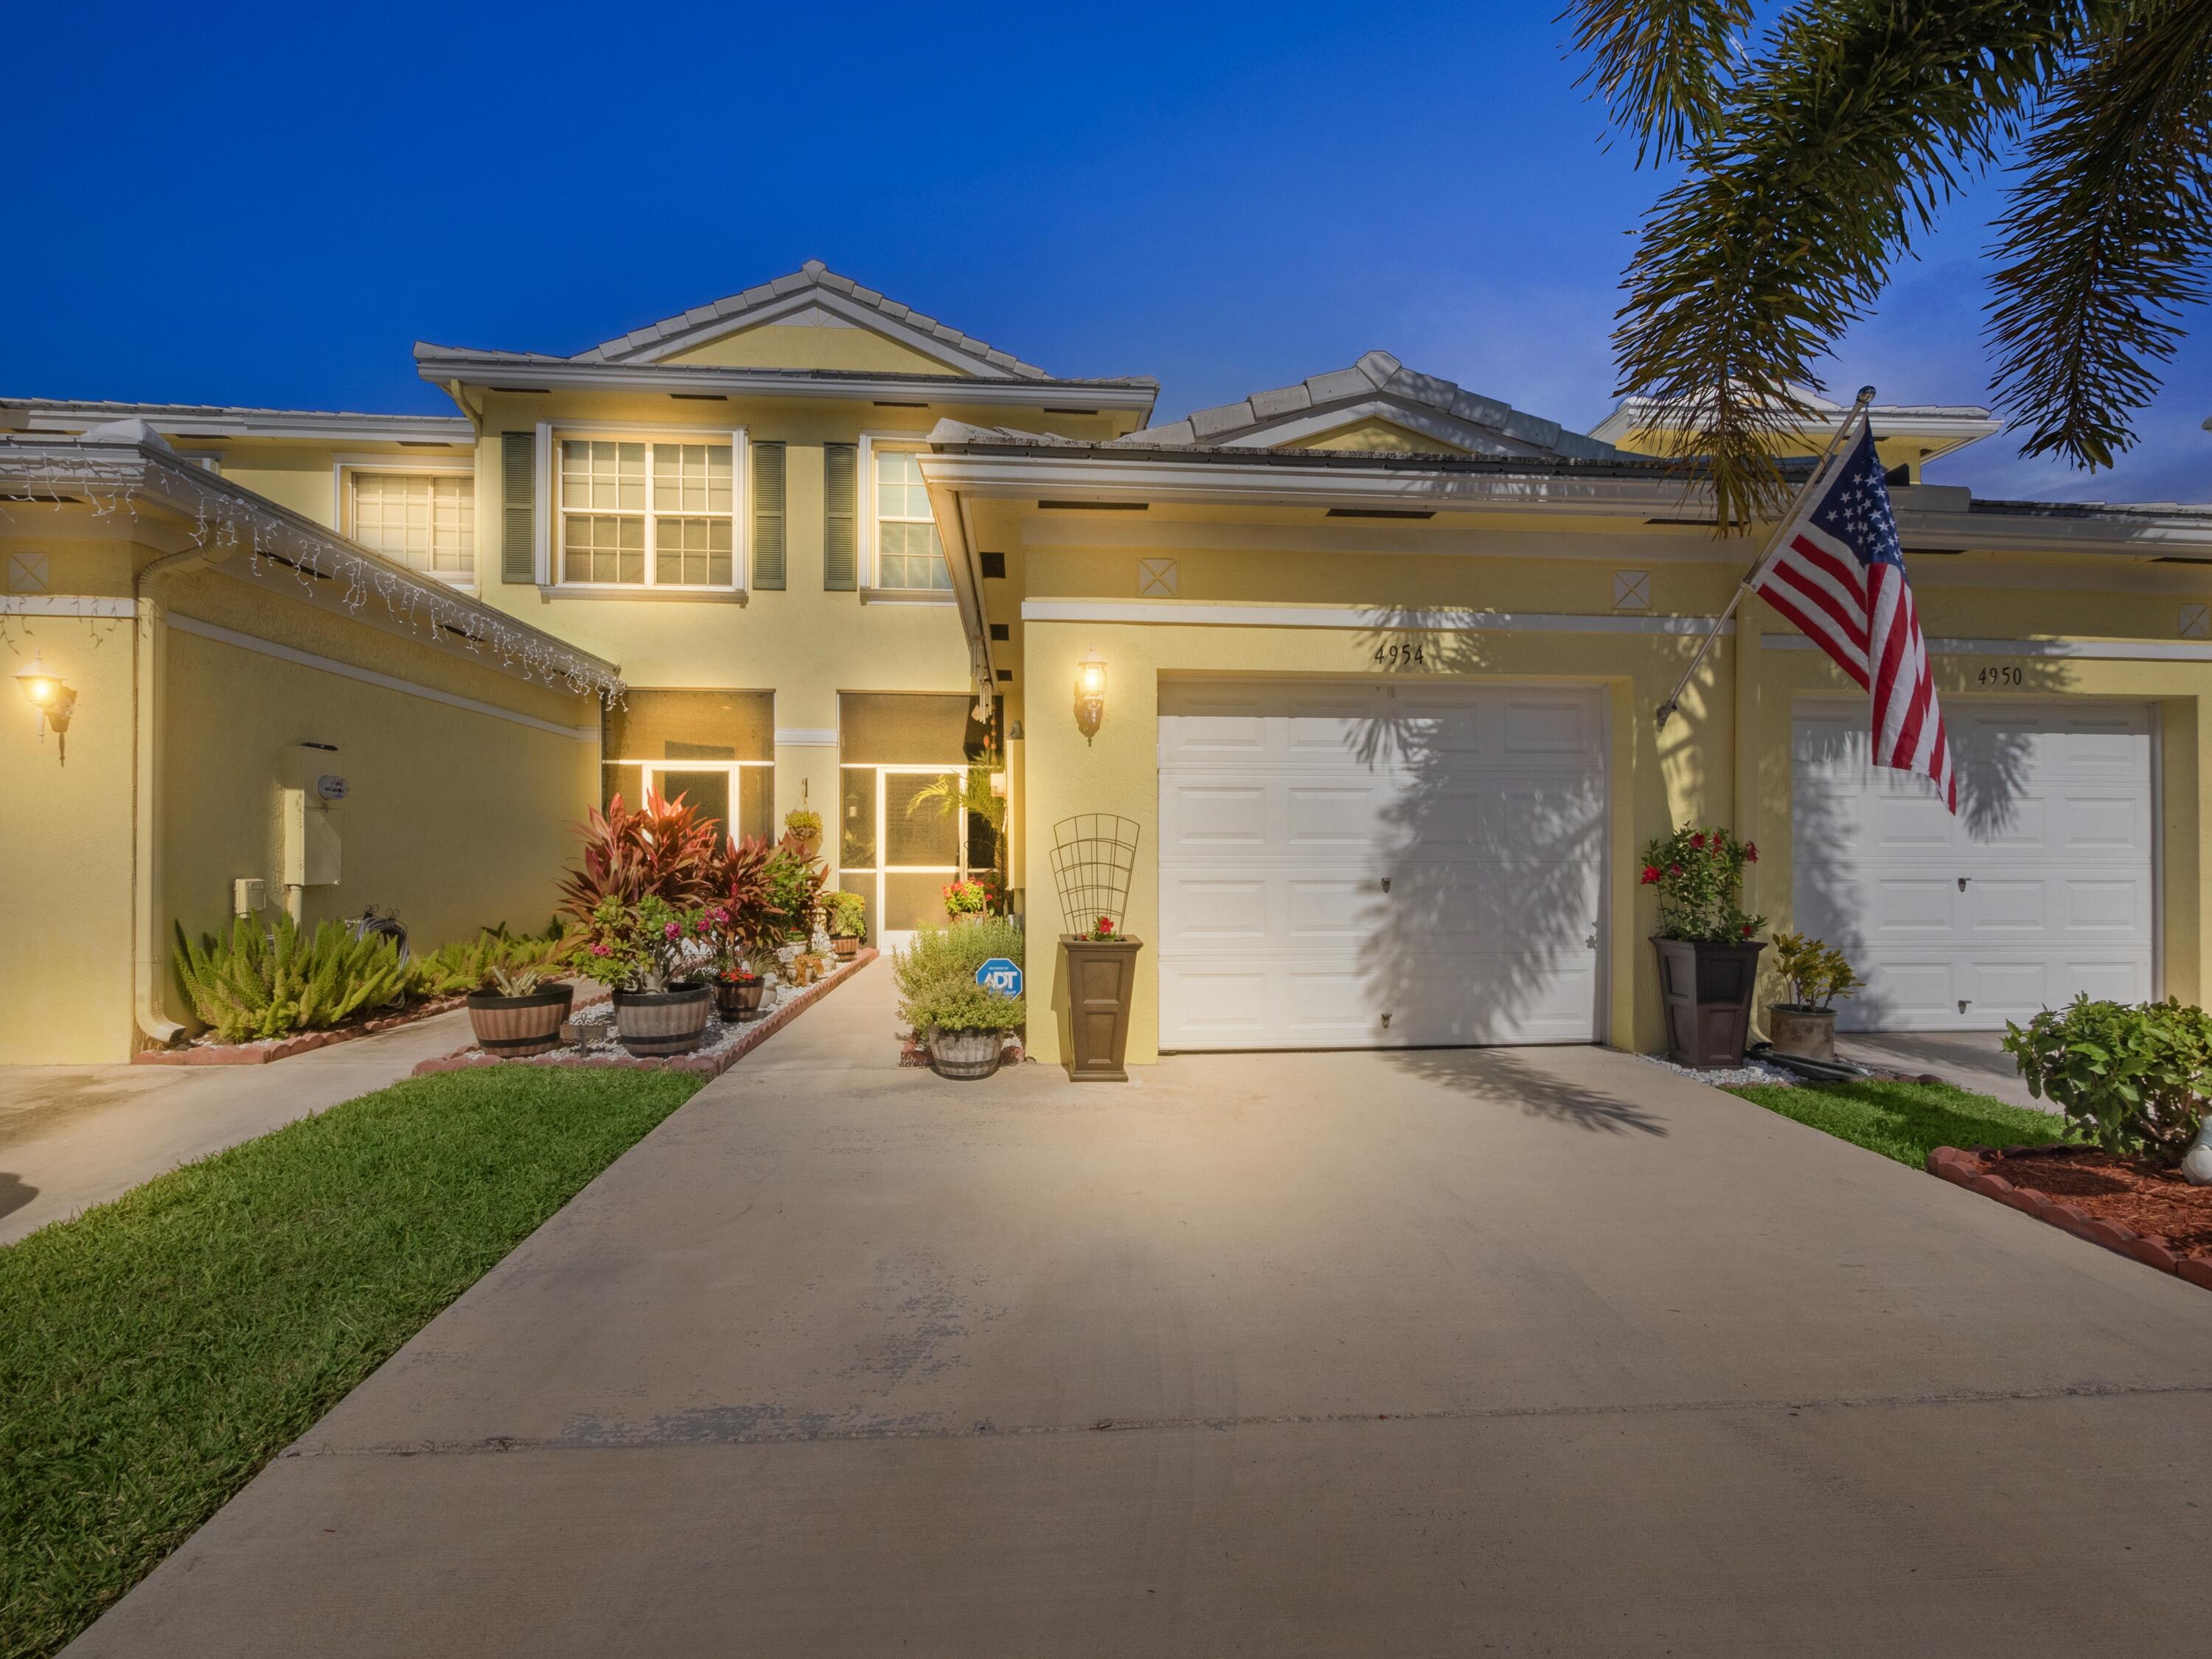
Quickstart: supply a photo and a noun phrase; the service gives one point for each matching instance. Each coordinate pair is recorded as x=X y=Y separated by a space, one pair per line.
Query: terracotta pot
x=1707 y=990
x=513 y=1026
x=1807 y=1033
x=966 y=1055
x=736 y=1000
x=1101 y=976
x=669 y=1022
x=847 y=948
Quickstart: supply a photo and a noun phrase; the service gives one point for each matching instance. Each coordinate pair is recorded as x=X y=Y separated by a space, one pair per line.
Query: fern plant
x=469 y=964
x=265 y=981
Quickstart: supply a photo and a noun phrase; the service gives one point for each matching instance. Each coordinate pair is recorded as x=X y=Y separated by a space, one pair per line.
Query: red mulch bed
x=2127 y=1204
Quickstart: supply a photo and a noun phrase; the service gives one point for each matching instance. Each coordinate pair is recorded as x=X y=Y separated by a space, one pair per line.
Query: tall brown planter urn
x=1707 y=992
x=1101 y=975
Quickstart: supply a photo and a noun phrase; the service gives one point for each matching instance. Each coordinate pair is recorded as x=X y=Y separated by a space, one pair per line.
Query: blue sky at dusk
x=250 y=205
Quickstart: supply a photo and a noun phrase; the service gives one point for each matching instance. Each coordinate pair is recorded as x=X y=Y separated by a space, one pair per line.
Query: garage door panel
x=1482 y=810
x=2053 y=840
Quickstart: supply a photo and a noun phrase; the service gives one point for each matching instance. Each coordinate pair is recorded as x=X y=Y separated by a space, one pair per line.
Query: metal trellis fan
x=1094 y=854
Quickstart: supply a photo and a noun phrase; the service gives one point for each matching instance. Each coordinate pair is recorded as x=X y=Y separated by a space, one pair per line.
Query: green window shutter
x=518 y=460
x=841 y=558
x=768 y=515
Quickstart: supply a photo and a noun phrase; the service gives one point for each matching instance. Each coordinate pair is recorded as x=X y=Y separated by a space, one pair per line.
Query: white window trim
x=545 y=520
x=342 y=468
x=871 y=591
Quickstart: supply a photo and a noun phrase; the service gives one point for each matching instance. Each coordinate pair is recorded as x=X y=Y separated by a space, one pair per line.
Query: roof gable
x=1377 y=392
x=812 y=297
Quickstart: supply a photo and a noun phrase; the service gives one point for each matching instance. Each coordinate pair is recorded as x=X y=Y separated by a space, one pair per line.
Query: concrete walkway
x=73 y=1136
x=1534 y=1351
x=1972 y=1059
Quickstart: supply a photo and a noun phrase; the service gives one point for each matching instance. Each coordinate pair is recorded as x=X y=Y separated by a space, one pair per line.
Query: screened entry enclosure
x=715 y=749
x=901 y=833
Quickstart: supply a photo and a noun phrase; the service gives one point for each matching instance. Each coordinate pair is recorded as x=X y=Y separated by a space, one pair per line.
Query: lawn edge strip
x=711 y=1066
x=263 y=1054
x=1966 y=1168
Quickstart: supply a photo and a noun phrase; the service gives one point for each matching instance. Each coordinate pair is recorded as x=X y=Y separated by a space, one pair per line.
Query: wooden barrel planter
x=511 y=1027
x=965 y=1054
x=737 y=998
x=653 y=1023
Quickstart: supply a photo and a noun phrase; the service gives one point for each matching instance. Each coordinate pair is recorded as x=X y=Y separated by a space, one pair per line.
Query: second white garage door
x=1347 y=865
x=2040 y=888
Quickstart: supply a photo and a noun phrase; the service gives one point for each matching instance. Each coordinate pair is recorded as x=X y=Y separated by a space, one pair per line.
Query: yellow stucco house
x=1381 y=658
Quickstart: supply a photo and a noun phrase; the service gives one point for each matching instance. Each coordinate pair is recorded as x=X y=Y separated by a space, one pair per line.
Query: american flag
x=1839 y=574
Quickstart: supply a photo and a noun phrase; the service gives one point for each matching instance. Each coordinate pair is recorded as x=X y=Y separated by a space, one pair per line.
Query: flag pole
x=1819 y=471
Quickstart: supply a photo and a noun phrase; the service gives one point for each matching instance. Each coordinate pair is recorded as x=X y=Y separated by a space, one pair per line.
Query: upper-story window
x=908 y=554
x=425 y=520
x=647 y=513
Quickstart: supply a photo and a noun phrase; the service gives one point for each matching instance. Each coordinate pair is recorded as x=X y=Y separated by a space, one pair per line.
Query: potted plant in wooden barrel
x=649 y=952
x=1094 y=855
x=1817 y=974
x=1708 y=953
x=960 y=990
x=519 y=1010
x=848 y=923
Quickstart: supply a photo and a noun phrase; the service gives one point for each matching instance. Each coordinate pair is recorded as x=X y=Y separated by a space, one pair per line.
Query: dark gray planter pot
x=1101 y=979
x=1707 y=991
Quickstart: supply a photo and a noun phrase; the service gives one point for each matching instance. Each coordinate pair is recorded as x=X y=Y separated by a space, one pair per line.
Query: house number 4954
x=1411 y=653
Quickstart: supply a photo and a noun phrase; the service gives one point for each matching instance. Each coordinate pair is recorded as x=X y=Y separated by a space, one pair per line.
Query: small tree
x=1817 y=973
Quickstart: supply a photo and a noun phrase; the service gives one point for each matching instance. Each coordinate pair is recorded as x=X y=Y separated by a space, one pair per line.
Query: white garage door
x=2039 y=889
x=1348 y=866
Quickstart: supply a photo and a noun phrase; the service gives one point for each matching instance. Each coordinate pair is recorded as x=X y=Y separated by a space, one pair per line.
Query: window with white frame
x=425 y=520
x=647 y=513
x=908 y=554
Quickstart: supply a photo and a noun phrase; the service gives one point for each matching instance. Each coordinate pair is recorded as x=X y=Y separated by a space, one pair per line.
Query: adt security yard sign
x=1000 y=975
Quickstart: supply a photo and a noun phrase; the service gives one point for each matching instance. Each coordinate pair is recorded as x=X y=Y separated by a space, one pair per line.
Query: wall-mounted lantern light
x=1089 y=694
x=53 y=700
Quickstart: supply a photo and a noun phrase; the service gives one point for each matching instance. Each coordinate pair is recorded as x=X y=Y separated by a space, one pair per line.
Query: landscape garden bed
x=725 y=1042
x=2130 y=1206
x=204 y=1053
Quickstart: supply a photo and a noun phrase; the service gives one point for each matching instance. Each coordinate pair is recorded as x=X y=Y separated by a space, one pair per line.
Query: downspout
x=148 y=956
x=949 y=507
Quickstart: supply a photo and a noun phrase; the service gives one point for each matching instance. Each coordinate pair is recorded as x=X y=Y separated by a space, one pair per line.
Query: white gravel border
x=1728 y=1077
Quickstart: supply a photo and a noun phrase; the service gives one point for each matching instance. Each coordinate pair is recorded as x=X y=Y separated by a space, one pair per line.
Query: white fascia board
x=1044 y=395
x=189 y=422
x=1950 y=430
x=1222 y=483
x=838 y=304
x=2133 y=537
x=2104 y=650
x=1381 y=618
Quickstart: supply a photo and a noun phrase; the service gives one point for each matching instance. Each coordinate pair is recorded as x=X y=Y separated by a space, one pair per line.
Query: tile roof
x=811 y=281
x=1380 y=387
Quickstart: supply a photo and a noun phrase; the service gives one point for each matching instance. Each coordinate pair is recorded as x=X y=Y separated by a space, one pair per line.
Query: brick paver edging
x=260 y=1053
x=1966 y=1169
x=713 y=1065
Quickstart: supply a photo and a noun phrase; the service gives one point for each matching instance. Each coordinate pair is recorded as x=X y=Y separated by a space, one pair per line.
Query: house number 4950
x=1999 y=676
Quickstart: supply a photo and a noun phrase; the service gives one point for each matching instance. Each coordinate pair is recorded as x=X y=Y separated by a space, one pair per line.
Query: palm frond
x=2105 y=239
x=1661 y=66
x=1863 y=118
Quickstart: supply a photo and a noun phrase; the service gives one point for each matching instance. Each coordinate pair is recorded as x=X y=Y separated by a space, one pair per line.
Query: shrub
x=2133 y=1077
x=469 y=964
x=794 y=890
x=265 y=981
x=741 y=913
x=664 y=850
x=1817 y=973
x=1699 y=876
x=848 y=916
x=936 y=977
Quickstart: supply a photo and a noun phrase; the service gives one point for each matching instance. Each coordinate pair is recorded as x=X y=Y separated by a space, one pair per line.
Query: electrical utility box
x=313 y=788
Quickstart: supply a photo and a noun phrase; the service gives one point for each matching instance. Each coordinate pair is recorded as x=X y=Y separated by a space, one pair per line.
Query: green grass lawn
x=1907 y=1120
x=156 y=1351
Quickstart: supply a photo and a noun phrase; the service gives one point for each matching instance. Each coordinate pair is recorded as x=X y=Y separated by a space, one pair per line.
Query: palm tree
x=1812 y=157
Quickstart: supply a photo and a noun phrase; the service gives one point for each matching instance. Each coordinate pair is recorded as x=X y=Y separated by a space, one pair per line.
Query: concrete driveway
x=1535 y=1351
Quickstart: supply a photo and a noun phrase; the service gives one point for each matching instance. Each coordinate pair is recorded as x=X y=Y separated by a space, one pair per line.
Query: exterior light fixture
x=1089 y=694
x=45 y=693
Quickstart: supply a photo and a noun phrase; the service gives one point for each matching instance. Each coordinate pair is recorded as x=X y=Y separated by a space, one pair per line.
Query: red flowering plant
x=966 y=898
x=1699 y=876
x=1102 y=931
x=645 y=946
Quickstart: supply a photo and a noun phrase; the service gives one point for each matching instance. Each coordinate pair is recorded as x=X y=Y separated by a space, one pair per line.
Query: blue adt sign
x=1000 y=975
